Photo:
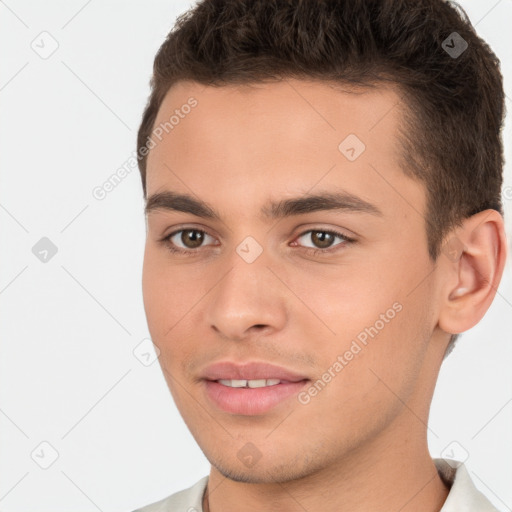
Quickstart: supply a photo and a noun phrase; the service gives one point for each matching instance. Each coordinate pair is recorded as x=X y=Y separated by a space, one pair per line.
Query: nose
x=249 y=300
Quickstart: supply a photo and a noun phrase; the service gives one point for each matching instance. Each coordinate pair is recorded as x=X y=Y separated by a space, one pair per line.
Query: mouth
x=253 y=383
x=250 y=389
x=252 y=374
x=251 y=397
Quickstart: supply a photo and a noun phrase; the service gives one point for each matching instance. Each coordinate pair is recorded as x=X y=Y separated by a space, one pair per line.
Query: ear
x=473 y=259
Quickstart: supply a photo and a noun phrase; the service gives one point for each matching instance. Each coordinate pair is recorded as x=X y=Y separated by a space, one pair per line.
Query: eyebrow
x=173 y=201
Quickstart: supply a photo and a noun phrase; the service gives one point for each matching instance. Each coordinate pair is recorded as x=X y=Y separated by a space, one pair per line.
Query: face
x=336 y=293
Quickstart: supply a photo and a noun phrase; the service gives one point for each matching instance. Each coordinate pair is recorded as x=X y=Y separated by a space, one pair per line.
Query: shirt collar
x=463 y=495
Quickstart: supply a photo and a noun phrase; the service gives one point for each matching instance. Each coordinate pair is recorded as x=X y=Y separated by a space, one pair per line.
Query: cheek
x=155 y=292
x=345 y=301
x=361 y=381
x=163 y=296
x=168 y=291
x=381 y=328
x=170 y=294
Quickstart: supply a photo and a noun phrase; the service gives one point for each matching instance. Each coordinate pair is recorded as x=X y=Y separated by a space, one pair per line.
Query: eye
x=184 y=241
x=323 y=240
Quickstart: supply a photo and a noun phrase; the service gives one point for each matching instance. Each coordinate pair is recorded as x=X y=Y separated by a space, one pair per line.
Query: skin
x=361 y=443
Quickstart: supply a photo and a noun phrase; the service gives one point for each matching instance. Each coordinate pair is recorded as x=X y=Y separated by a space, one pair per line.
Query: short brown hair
x=450 y=137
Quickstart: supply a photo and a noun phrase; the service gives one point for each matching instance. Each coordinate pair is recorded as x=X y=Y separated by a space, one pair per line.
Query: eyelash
x=310 y=250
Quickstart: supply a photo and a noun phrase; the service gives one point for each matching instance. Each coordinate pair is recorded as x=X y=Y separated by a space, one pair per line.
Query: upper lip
x=226 y=370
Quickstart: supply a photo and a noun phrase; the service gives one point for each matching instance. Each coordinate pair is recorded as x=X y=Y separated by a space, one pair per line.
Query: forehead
x=277 y=138
x=292 y=109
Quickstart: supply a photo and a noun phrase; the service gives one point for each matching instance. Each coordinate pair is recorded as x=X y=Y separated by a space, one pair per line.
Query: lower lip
x=251 y=401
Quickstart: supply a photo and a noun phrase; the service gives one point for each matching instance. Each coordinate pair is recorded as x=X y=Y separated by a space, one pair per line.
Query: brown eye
x=187 y=241
x=192 y=238
x=322 y=239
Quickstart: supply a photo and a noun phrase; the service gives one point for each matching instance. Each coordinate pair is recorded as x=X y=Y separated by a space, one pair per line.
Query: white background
x=68 y=375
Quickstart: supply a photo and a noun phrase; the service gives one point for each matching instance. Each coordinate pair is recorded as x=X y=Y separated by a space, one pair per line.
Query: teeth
x=256 y=383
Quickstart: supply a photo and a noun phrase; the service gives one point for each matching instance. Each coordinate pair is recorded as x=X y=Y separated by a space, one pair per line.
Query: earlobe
x=473 y=278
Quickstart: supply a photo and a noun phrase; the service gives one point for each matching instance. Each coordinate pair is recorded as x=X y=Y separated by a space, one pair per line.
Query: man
x=323 y=218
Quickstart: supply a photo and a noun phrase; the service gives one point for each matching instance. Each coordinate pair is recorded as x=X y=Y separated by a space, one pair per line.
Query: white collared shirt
x=463 y=495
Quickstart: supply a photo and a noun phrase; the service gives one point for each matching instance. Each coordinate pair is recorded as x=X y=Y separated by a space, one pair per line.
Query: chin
x=264 y=472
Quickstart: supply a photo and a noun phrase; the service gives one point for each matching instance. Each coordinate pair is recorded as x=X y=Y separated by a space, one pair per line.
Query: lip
x=250 y=401
x=249 y=371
